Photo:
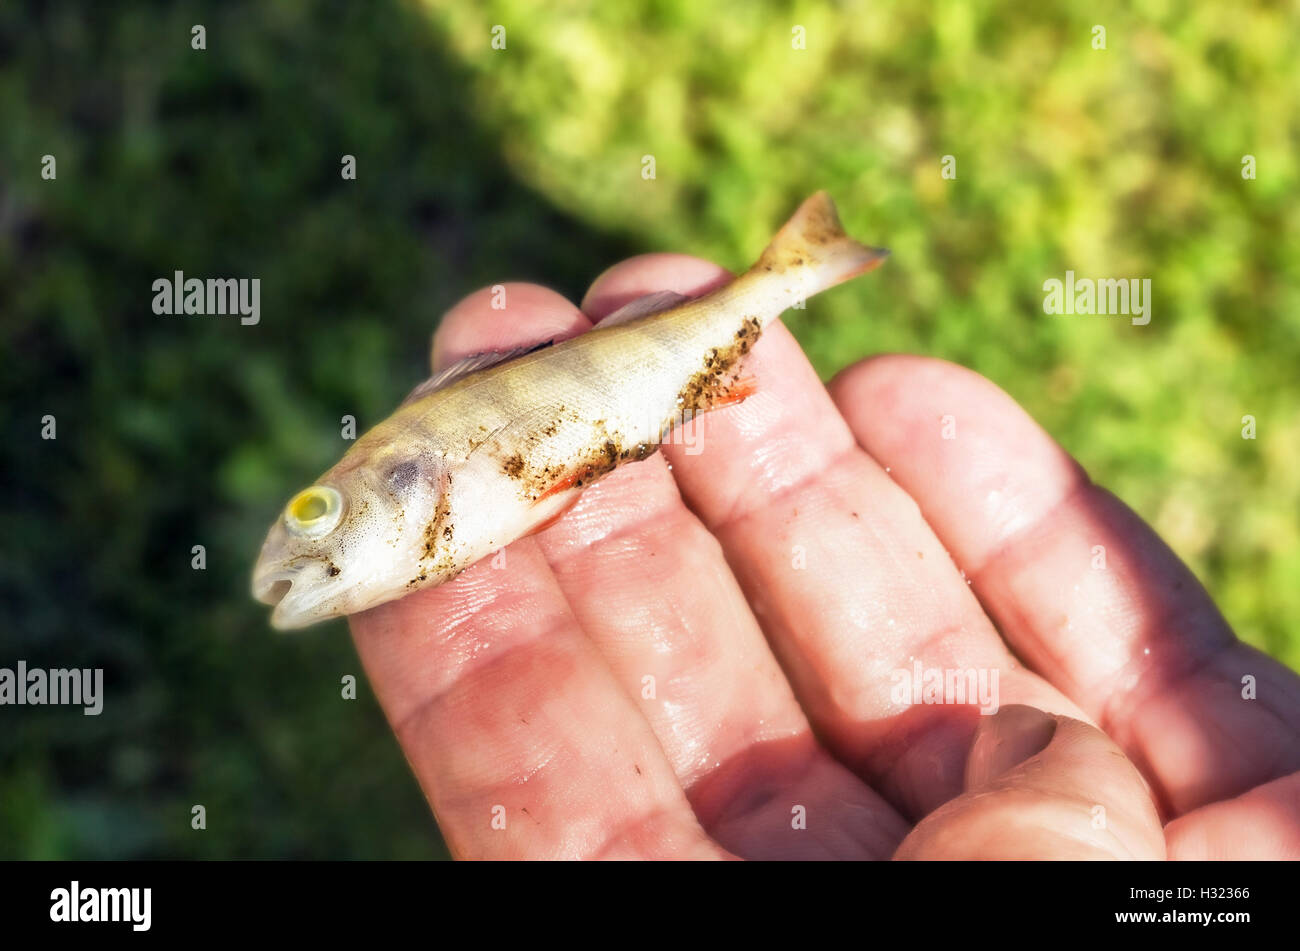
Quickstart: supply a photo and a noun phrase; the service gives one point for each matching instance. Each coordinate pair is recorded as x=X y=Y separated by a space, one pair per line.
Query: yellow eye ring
x=313 y=511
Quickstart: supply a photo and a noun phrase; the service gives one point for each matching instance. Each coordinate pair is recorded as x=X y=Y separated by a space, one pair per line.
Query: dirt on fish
x=713 y=384
x=435 y=559
x=514 y=465
x=606 y=453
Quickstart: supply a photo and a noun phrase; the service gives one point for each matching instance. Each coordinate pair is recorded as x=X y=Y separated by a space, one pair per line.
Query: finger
x=1262 y=823
x=520 y=736
x=849 y=583
x=1084 y=591
x=1042 y=787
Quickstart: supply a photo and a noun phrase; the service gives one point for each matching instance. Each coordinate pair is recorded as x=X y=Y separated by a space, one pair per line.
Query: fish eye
x=313 y=511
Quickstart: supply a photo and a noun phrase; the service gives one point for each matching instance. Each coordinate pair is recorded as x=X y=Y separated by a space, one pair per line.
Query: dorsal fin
x=467 y=365
x=643 y=307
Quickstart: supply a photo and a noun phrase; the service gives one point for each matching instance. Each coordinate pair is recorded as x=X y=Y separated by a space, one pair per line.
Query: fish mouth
x=274 y=593
x=272 y=587
x=292 y=602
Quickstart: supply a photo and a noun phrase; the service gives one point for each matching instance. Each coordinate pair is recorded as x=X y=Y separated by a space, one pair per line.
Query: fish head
x=350 y=541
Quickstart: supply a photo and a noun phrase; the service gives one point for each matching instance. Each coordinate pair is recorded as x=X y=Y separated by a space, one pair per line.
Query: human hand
x=698 y=658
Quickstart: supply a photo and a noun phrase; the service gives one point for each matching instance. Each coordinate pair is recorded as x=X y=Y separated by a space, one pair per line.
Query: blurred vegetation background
x=478 y=165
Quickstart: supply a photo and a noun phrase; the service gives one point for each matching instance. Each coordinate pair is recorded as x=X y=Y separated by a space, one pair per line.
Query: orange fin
x=568 y=482
x=553 y=519
x=741 y=390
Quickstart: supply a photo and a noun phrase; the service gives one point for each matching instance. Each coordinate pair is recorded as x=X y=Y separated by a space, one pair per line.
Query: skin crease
x=519 y=691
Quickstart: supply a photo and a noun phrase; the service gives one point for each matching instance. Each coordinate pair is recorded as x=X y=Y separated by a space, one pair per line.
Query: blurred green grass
x=477 y=165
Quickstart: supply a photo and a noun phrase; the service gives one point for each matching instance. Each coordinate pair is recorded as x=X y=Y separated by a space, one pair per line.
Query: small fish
x=499 y=445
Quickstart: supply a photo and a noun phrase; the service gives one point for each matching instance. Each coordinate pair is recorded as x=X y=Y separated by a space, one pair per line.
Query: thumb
x=1042 y=787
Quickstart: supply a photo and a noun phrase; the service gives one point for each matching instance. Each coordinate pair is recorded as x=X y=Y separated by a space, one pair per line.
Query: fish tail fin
x=813 y=250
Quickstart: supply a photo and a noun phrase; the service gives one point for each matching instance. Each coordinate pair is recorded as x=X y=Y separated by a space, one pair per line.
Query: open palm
x=702 y=658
